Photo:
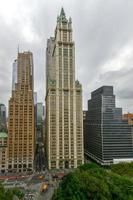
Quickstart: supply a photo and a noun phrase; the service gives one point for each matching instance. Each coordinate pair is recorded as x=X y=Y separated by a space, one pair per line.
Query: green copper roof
x=62 y=16
x=3 y=135
x=62 y=13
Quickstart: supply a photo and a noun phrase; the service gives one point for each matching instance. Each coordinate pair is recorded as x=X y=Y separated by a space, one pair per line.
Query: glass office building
x=107 y=136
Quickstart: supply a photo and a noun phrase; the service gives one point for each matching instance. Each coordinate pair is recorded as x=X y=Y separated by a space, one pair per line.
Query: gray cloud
x=103 y=34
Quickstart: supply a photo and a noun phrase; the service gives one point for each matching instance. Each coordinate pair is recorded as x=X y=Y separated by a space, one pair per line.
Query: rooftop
x=104 y=90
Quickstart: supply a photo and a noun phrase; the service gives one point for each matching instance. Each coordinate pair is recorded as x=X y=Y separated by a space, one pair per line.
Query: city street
x=32 y=184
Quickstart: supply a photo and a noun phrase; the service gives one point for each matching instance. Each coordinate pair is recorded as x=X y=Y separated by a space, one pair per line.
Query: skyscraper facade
x=64 y=118
x=107 y=136
x=3 y=117
x=21 y=117
x=3 y=152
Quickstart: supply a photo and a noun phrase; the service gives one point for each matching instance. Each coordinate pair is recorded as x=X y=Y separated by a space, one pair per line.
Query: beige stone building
x=64 y=116
x=21 y=117
x=129 y=117
x=3 y=152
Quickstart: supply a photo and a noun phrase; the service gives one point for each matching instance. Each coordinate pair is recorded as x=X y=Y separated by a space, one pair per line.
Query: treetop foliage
x=92 y=182
x=8 y=194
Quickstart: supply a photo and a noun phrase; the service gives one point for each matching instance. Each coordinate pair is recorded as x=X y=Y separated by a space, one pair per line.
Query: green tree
x=7 y=194
x=125 y=169
x=94 y=183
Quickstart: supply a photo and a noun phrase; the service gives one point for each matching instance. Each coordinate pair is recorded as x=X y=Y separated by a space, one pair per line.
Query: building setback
x=107 y=136
x=21 y=117
x=64 y=118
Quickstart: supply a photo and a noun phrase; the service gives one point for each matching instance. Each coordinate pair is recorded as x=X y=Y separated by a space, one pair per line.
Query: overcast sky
x=103 y=35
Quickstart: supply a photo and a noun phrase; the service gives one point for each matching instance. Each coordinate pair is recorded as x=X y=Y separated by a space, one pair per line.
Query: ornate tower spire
x=62 y=14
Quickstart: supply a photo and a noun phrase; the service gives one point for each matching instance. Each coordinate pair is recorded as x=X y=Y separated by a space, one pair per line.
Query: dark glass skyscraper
x=107 y=136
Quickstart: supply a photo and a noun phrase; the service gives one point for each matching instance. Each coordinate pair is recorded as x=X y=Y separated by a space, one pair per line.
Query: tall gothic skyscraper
x=64 y=118
x=21 y=116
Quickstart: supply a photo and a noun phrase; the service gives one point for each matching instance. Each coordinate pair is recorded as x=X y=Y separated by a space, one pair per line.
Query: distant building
x=39 y=122
x=39 y=157
x=64 y=117
x=44 y=112
x=84 y=114
x=35 y=98
x=129 y=117
x=2 y=117
x=107 y=137
x=3 y=152
x=21 y=124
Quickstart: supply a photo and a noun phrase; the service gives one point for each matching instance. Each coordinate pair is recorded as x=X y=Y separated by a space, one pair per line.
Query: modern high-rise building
x=64 y=117
x=2 y=117
x=21 y=117
x=108 y=138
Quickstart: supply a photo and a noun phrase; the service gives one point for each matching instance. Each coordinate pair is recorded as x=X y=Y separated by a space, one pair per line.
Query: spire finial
x=62 y=13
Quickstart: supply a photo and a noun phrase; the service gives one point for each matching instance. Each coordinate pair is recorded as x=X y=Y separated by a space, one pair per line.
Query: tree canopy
x=8 y=194
x=94 y=183
x=124 y=169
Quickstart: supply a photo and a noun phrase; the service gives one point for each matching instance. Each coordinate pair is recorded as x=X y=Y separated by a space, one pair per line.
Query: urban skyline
x=56 y=148
x=94 y=67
